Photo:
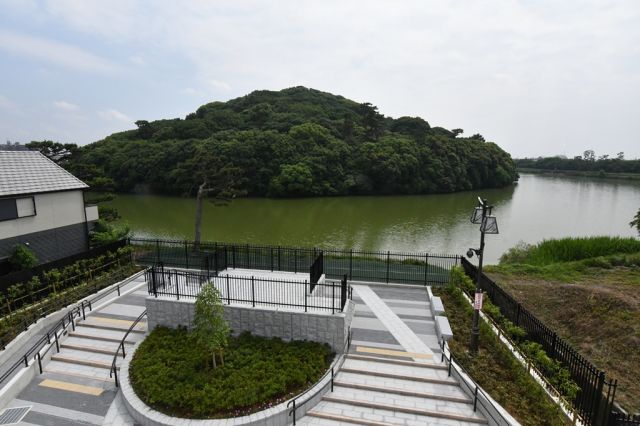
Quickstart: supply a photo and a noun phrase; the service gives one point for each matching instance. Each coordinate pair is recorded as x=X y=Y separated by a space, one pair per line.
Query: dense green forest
x=290 y=143
x=588 y=162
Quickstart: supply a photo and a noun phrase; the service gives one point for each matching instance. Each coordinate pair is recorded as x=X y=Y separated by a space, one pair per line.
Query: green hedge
x=168 y=373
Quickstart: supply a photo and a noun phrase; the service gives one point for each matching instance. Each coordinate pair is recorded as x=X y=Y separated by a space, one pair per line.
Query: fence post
x=598 y=399
x=157 y=251
x=228 y=292
x=295 y=260
x=186 y=254
x=351 y=264
x=343 y=294
x=279 y=267
x=177 y=284
x=333 y=297
x=215 y=262
x=153 y=281
x=253 y=292
x=305 y=295
x=388 y=254
x=518 y=315
x=426 y=265
x=271 y=257
x=233 y=256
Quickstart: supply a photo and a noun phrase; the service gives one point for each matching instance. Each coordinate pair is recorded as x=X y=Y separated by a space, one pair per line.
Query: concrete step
x=112 y=326
x=104 y=335
x=402 y=402
x=91 y=359
x=389 y=412
x=77 y=370
x=415 y=378
x=90 y=345
x=404 y=392
x=437 y=366
x=404 y=383
x=410 y=371
x=320 y=418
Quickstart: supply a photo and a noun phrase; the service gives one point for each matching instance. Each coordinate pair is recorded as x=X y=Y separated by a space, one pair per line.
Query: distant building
x=42 y=206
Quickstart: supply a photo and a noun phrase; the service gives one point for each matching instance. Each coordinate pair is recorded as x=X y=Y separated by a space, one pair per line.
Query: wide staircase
x=88 y=350
x=379 y=391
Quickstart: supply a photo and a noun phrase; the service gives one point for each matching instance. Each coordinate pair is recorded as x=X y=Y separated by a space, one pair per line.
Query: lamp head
x=470 y=253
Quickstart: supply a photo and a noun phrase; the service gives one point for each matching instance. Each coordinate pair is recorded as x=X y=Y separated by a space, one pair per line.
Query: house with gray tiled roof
x=42 y=206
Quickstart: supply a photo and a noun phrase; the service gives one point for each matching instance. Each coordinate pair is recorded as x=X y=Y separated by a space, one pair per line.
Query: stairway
x=88 y=350
x=381 y=391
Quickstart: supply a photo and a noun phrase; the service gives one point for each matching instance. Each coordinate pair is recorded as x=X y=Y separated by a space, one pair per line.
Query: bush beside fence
x=595 y=400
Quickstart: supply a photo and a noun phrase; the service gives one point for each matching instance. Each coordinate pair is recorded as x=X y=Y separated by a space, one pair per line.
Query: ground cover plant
x=495 y=368
x=592 y=303
x=169 y=372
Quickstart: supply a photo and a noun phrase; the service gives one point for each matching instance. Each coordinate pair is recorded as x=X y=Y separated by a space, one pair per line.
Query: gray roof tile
x=28 y=172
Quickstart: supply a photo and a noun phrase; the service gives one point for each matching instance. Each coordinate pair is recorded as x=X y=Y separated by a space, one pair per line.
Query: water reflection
x=537 y=207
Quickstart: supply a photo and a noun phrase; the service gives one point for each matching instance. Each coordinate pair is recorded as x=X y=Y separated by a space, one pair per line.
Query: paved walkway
x=393 y=374
x=75 y=388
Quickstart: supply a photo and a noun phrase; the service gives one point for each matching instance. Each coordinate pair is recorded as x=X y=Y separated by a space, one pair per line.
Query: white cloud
x=5 y=103
x=65 y=106
x=190 y=91
x=115 y=115
x=219 y=85
x=137 y=60
x=53 y=52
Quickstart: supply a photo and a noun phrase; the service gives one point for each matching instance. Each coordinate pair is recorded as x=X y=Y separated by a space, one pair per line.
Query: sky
x=539 y=78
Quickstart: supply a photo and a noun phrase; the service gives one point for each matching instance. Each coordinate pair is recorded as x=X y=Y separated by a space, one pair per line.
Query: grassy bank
x=495 y=368
x=593 y=302
x=168 y=372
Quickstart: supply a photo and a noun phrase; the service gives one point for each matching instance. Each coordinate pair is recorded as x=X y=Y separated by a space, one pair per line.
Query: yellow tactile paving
x=391 y=352
x=71 y=387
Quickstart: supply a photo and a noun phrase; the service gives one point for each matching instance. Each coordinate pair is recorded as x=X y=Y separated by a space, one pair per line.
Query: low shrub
x=168 y=372
x=22 y=258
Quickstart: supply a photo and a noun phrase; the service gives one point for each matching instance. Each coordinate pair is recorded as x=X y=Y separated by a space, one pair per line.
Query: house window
x=14 y=208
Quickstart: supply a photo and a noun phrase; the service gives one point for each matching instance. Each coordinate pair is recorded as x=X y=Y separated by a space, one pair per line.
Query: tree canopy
x=295 y=142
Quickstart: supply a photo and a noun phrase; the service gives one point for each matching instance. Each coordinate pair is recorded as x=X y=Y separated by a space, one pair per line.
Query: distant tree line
x=587 y=162
x=297 y=142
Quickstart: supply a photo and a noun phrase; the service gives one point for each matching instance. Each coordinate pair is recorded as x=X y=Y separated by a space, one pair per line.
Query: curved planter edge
x=274 y=416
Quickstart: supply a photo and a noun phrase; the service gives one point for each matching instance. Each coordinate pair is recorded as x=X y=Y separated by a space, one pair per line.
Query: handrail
x=476 y=387
x=113 y=372
x=40 y=343
x=76 y=312
x=347 y=345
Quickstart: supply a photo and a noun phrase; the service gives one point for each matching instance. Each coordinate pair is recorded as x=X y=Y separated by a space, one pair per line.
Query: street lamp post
x=488 y=225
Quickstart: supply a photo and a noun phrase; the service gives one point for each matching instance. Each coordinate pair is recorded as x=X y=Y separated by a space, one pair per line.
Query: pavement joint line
x=71 y=387
x=392 y=352
x=53 y=410
x=113 y=320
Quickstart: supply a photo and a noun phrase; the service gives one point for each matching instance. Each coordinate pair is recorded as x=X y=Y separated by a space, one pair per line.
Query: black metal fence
x=250 y=290
x=316 y=271
x=358 y=265
x=595 y=400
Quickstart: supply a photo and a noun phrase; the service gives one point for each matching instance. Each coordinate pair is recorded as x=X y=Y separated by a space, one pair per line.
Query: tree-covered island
x=296 y=142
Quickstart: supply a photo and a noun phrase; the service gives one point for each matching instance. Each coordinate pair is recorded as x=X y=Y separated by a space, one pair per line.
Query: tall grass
x=569 y=249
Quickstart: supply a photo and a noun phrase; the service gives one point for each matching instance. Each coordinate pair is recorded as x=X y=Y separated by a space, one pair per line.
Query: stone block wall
x=261 y=321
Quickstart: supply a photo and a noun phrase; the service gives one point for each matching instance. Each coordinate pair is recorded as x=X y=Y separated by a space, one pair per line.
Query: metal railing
x=358 y=265
x=593 y=404
x=249 y=290
x=113 y=372
x=479 y=395
x=77 y=312
x=295 y=405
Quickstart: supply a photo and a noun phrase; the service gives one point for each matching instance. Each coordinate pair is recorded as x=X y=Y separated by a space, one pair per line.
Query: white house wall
x=53 y=210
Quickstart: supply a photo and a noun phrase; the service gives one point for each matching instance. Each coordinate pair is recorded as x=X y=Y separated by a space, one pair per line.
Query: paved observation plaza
x=392 y=374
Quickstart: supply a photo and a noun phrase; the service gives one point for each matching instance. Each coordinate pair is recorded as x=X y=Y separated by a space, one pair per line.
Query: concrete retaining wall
x=260 y=321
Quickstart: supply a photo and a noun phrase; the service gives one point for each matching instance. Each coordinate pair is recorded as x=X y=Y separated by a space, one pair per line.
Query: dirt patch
x=599 y=316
